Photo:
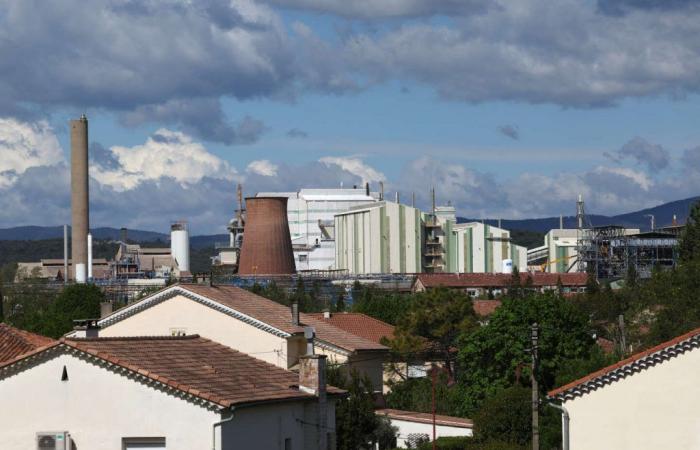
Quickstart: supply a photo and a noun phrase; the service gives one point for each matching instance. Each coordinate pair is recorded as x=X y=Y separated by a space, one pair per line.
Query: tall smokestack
x=79 y=197
x=267 y=247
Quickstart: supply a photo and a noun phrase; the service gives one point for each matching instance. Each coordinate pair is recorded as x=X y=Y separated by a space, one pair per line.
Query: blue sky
x=509 y=108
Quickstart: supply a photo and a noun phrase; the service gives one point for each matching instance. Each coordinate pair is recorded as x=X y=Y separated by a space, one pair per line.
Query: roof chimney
x=89 y=327
x=309 y=335
x=312 y=380
x=105 y=309
x=326 y=313
x=367 y=189
x=295 y=313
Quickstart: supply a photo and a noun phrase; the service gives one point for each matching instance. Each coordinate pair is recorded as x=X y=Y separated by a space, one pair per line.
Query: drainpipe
x=564 y=425
x=218 y=424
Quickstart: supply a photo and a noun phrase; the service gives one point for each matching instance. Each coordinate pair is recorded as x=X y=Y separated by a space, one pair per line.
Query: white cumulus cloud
x=165 y=154
x=23 y=146
x=356 y=167
x=263 y=167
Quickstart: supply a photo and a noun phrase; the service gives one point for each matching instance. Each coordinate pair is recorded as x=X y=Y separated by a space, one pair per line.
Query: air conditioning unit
x=53 y=440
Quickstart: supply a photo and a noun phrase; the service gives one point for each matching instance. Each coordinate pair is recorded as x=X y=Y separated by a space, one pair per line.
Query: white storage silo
x=507 y=266
x=180 y=245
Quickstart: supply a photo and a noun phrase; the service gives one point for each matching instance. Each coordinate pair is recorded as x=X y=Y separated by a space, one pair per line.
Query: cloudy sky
x=510 y=108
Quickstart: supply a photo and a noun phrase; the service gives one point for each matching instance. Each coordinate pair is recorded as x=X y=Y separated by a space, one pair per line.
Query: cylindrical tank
x=80 y=211
x=507 y=266
x=267 y=247
x=180 y=245
x=89 y=263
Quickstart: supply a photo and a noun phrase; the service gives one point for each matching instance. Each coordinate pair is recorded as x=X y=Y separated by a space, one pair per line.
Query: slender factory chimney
x=367 y=189
x=80 y=203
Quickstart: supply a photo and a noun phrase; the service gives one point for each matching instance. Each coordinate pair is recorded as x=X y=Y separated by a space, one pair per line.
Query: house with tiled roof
x=647 y=401
x=246 y=322
x=181 y=392
x=413 y=427
x=480 y=284
x=15 y=342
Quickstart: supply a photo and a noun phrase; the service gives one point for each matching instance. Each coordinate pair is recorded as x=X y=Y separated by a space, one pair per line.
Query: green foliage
x=689 y=245
x=384 y=305
x=357 y=426
x=34 y=307
x=496 y=356
x=505 y=416
x=435 y=319
x=75 y=302
x=415 y=394
x=467 y=443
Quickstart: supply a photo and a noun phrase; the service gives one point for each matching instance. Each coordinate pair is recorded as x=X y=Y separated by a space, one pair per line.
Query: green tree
x=505 y=416
x=433 y=323
x=496 y=356
x=357 y=426
x=384 y=305
x=75 y=302
x=415 y=394
x=689 y=245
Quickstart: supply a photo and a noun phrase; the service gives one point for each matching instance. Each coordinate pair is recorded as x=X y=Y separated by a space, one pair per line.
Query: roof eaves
x=173 y=291
x=633 y=364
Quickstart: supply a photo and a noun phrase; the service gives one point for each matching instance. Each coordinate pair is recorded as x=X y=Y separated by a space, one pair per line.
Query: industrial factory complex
x=347 y=233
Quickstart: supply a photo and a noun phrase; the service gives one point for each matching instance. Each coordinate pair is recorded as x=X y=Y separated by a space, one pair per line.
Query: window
x=288 y=444
x=138 y=443
x=303 y=258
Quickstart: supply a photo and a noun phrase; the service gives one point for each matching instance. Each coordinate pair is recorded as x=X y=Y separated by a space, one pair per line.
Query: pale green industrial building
x=388 y=237
x=382 y=237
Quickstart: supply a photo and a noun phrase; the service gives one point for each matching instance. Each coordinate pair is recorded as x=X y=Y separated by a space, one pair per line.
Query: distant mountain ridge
x=663 y=215
x=35 y=233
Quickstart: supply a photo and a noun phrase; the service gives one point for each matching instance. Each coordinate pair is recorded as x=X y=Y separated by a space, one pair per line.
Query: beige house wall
x=656 y=408
x=97 y=407
x=182 y=315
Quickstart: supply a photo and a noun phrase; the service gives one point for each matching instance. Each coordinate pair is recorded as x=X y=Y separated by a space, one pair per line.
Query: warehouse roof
x=192 y=365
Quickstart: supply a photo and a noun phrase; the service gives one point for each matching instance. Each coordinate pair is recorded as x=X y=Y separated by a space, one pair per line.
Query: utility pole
x=623 y=338
x=434 y=377
x=535 y=388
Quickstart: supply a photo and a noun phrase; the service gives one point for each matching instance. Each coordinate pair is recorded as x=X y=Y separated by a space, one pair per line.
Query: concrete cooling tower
x=267 y=244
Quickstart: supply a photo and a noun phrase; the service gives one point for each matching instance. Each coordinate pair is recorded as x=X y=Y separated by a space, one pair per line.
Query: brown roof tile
x=484 y=308
x=499 y=280
x=632 y=359
x=276 y=315
x=15 y=342
x=358 y=324
x=198 y=366
x=412 y=416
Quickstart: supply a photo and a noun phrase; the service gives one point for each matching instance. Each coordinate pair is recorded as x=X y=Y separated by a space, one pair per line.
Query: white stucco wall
x=181 y=313
x=653 y=409
x=295 y=421
x=97 y=407
x=406 y=428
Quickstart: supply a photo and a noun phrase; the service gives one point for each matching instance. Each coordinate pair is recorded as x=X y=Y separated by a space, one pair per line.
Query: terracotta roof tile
x=358 y=324
x=632 y=359
x=15 y=342
x=271 y=313
x=198 y=366
x=412 y=416
x=484 y=308
x=499 y=280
